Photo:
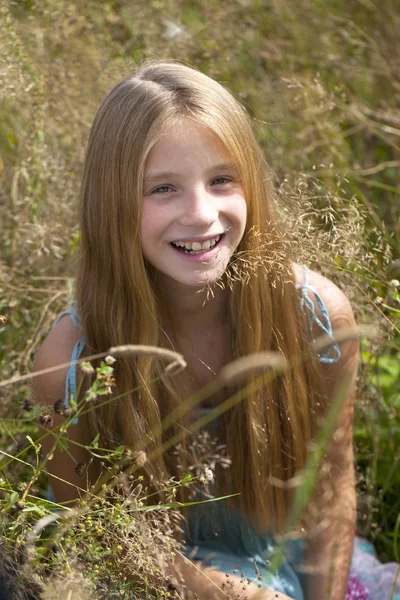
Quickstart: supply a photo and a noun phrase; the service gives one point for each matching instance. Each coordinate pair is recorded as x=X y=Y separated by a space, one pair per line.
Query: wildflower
x=172 y=585
x=46 y=420
x=140 y=457
x=109 y=360
x=355 y=589
x=127 y=452
x=87 y=368
x=58 y=406
x=67 y=411
x=394 y=283
x=209 y=475
x=80 y=468
x=27 y=404
x=110 y=385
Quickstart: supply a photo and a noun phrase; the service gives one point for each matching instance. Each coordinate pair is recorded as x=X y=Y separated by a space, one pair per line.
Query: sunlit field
x=321 y=81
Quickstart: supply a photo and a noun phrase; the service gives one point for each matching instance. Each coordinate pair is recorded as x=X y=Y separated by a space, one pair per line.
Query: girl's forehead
x=186 y=142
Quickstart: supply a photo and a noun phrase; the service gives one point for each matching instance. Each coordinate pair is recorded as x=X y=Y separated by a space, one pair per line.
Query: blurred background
x=321 y=81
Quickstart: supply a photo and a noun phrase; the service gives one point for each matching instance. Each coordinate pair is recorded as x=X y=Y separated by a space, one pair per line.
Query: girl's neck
x=198 y=326
x=191 y=312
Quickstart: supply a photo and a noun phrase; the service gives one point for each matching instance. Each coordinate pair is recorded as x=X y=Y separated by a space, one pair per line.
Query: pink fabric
x=356 y=590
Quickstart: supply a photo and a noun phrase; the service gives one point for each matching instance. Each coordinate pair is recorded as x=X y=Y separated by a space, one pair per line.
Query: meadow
x=321 y=81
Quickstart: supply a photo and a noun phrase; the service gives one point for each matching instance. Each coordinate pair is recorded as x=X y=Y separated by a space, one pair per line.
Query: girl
x=181 y=247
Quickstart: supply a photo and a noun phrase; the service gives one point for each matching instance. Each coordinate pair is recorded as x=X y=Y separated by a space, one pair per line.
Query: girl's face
x=194 y=211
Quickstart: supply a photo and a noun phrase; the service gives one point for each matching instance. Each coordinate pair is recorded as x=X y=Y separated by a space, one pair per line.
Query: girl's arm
x=212 y=584
x=47 y=389
x=330 y=540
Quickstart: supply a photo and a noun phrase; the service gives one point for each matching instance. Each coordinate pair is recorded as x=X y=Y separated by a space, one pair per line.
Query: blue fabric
x=70 y=381
x=331 y=354
x=226 y=540
x=223 y=538
x=377 y=577
x=73 y=313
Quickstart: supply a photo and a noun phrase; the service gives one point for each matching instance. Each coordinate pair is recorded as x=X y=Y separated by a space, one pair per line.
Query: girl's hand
x=253 y=592
x=210 y=584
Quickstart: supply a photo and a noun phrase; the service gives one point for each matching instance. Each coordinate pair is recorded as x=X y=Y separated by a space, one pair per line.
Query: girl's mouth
x=194 y=248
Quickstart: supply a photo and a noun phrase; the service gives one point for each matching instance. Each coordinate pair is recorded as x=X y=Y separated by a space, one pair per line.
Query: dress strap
x=71 y=380
x=331 y=354
x=73 y=313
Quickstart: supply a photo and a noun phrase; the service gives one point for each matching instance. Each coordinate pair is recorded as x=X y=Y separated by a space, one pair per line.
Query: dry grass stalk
x=176 y=361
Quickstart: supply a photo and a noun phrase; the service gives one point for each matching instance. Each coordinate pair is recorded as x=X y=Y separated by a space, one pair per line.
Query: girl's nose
x=200 y=209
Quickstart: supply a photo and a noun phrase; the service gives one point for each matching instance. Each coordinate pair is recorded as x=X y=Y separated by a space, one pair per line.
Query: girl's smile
x=194 y=211
x=199 y=249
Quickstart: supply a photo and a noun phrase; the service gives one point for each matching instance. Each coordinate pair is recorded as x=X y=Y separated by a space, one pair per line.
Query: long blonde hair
x=268 y=432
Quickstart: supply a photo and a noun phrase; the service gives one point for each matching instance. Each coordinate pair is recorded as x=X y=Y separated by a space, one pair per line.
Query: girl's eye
x=162 y=189
x=221 y=181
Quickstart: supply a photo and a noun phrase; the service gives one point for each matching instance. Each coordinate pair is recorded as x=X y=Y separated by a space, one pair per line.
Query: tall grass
x=322 y=82
x=115 y=523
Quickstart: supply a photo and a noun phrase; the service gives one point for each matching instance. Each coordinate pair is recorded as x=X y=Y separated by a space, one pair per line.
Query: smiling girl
x=181 y=247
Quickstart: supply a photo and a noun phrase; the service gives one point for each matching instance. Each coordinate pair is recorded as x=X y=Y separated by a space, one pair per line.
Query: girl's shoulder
x=56 y=351
x=333 y=298
x=330 y=305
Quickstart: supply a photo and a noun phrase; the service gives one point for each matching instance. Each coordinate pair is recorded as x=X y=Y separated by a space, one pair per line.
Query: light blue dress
x=225 y=539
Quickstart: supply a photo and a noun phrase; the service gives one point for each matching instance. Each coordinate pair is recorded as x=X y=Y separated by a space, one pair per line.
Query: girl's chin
x=196 y=281
x=195 y=276
x=199 y=284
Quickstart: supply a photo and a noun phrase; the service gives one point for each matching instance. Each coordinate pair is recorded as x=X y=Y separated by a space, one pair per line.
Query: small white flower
x=87 y=368
x=140 y=457
x=394 y=283
x=109 y=360
x=209 y=475
x=173 y=30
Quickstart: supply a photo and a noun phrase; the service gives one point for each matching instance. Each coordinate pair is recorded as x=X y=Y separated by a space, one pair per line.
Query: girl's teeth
x=196 y=246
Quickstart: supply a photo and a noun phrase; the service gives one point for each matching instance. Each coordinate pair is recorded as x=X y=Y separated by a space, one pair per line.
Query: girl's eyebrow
x=165 y=175
x=161 y=175
x=224 y=167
